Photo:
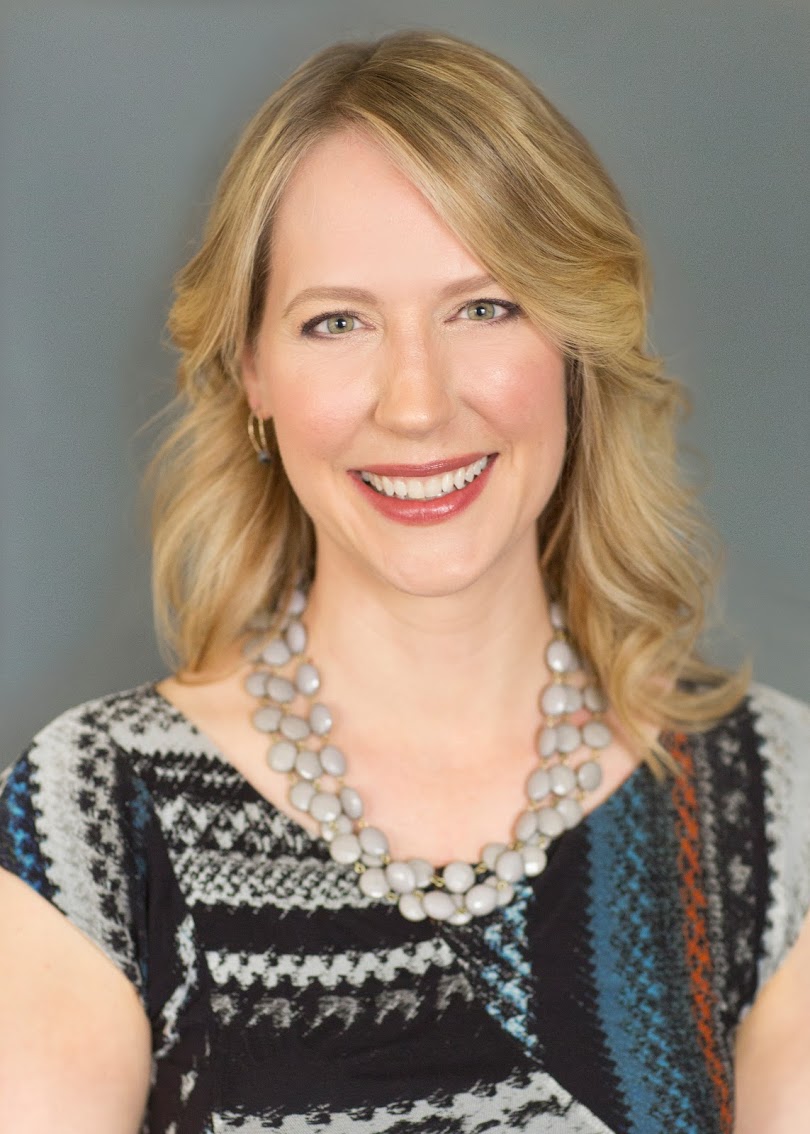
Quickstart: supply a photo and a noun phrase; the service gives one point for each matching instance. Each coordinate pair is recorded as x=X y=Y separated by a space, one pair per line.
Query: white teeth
x=427 y=488
x=433 y=488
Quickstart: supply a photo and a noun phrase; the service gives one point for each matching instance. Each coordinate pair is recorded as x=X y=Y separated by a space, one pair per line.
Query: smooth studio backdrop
x=115 y=120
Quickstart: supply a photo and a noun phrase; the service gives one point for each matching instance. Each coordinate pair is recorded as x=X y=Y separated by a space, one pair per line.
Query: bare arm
x=75 y=1045
x=773 y=1051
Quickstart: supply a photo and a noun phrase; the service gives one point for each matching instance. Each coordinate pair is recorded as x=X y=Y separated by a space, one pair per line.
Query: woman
x=442 y=823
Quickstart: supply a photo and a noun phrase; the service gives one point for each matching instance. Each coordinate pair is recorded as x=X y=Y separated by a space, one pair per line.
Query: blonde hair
x=621 y=538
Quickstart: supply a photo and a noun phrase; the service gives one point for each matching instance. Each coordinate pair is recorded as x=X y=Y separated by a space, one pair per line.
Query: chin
x=431 y=561
x=442 y=587
x=439 y=577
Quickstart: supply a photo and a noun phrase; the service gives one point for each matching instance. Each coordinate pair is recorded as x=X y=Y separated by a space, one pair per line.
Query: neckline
x=297 y=833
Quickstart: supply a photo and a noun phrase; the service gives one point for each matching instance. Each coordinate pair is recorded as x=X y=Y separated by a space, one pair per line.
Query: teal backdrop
x=115 y=120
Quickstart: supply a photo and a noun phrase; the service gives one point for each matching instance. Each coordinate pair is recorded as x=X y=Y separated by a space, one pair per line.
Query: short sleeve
x=69 y=822
x=783 y=725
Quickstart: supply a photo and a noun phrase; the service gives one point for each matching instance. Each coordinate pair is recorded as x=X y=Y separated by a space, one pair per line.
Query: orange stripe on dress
x=696 y=937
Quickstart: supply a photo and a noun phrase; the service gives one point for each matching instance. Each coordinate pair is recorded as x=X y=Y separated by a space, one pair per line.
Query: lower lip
x=425 y=511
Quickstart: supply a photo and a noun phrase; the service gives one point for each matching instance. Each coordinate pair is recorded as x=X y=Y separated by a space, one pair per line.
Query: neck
x=455 y=666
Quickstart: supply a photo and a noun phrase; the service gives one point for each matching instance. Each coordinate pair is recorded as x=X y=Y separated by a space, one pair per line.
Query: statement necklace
x=300 y=747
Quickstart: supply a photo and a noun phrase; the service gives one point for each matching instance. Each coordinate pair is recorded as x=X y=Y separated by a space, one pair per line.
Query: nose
x=414 y=389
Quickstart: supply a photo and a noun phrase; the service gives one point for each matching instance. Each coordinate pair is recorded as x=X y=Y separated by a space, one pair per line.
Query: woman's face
x=394 y=369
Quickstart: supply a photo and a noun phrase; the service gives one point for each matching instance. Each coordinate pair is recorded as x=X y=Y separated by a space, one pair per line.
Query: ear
x=251 y=380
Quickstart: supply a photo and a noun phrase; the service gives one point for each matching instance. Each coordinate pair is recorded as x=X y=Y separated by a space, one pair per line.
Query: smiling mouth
x=427 y=487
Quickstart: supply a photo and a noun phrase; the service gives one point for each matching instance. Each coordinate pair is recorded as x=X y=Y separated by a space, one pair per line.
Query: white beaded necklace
x=459 y=891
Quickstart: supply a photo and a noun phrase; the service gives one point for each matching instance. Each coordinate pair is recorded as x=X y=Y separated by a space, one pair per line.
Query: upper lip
x=450 y=464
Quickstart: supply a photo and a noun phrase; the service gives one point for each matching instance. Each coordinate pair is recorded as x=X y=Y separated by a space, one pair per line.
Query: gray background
x=115 y=121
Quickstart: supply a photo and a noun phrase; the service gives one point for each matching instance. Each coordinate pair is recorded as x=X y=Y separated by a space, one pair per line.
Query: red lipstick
x=415 y=512
x=432 y=468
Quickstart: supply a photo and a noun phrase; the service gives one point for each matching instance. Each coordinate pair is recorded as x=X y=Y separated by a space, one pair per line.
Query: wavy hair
x=621 y=539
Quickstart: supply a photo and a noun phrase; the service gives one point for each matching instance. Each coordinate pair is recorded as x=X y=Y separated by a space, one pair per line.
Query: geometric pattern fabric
x=602 y=1000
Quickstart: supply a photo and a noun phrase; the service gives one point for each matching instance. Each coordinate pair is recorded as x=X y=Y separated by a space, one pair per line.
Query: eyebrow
x=360 y=295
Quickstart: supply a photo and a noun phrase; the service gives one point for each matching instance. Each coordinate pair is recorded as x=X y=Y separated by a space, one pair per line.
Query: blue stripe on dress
x=509 y=976
x=19 y=845
x=641 y=981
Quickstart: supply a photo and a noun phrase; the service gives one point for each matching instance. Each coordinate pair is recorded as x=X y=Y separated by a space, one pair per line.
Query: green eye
x=339 y=324
x=481 y=311
x=330 y=326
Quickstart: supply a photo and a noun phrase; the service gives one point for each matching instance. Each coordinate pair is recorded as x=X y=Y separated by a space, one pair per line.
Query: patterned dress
x=603 y=999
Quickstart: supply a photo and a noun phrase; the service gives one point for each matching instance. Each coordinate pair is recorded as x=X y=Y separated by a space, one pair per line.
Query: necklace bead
x=526 y=826
x=351 y=802
x=294 y=728
x=280 y=690
x=570 y=811
x=296 y=637
x=460 y=891
x=346 y=849
x=411 y=908
x=333 y=761
x=373 y=841
x=550 y=822
x=300 y=795
x=560 y=657
x=282 y=756
x=539 y=785
x=401 y=877
x=458 y=877
x=589 y=775
x=562 y=779
x=320 y=719
x=422 y=872
x=596 y=734
x=307 y=679
x=267 y=719
x=439 y=905
x=276 y=652
x=256 y=684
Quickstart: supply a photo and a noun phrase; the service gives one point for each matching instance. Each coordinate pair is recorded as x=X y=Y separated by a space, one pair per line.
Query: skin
x=414 y=378
x=415 y=374
x=441 y=610
x=75 y=1043
x=772 y=1058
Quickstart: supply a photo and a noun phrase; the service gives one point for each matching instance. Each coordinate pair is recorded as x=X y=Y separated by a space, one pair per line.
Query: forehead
x=349 y=207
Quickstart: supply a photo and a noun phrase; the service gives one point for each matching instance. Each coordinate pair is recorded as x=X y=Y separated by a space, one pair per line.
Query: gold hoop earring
x=258 y=439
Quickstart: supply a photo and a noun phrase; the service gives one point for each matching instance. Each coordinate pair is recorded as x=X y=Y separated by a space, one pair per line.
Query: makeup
x=441 y=490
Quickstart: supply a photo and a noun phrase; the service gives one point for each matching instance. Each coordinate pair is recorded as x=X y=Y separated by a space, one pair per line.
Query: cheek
x=525 y=398
x=316 y=410
x=313 y=425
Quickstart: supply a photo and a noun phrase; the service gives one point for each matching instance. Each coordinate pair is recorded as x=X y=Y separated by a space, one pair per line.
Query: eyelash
x=307 y=329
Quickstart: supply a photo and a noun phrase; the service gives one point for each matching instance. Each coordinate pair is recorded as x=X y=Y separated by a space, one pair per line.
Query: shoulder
x=782 y=727
x=74 y=819
x=80 y=821
x=121 y=728
x=772 y=728
x=77 y=791
x=71 y=766
x=81 y=784
x=137 y=720
x=783 y=724
x=752 y=771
